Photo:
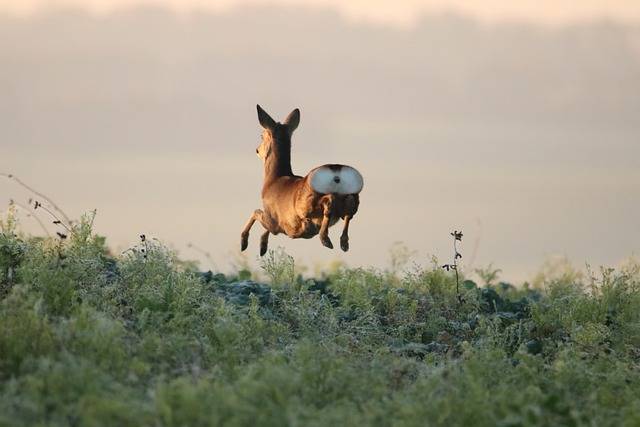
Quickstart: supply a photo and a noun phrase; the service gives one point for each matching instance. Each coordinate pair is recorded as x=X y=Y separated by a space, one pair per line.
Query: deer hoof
x=263 y=248
x=244 y=242
x=344 y=243
x=326 y=242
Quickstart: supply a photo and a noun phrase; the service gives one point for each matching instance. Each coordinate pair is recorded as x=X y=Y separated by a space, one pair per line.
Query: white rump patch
x=336 y=179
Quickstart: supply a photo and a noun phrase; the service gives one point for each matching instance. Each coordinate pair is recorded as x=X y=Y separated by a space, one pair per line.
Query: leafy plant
x=142 y=338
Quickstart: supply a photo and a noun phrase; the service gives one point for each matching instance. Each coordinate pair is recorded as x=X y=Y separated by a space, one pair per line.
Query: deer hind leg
x=327 y=203
x=352 y=202
x=344 y=238
x=244 y=236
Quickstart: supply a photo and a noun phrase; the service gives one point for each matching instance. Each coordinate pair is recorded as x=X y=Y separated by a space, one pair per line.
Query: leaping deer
x=297 y=206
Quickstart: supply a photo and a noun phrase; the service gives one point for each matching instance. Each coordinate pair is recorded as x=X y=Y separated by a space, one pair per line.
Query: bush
x=142 y=339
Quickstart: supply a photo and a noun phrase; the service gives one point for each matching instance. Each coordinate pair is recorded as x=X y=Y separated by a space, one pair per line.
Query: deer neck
x=278 y=163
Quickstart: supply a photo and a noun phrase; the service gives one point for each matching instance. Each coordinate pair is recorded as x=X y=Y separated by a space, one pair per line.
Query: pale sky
x=523 y=136
x=397 y=12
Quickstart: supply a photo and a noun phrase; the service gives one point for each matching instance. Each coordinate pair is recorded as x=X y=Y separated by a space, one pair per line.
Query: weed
x=143 y=338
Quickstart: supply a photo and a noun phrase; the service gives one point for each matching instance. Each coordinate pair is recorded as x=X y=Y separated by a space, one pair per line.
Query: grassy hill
x=92 y=339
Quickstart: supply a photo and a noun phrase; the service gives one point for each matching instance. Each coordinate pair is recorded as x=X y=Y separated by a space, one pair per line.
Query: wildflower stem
x=455 y=265
x=57 y=220
x=37 y=193
x=29 y=214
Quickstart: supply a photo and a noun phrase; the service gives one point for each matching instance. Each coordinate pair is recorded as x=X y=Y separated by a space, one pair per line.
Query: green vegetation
x=89 y=339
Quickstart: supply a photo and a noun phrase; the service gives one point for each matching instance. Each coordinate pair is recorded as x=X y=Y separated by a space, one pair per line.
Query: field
x=88 y=338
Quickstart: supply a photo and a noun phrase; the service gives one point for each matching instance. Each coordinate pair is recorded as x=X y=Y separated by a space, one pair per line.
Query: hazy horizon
x=399 y=13
x=523 y=136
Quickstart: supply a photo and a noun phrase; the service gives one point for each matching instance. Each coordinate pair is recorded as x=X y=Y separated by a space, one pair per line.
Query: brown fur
x=290 y=205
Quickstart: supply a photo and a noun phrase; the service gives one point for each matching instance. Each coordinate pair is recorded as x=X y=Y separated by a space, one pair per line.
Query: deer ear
x=265 y=119
x=293 y=120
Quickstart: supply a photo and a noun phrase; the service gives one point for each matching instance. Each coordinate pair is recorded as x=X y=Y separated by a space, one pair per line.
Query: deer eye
x=257 y=151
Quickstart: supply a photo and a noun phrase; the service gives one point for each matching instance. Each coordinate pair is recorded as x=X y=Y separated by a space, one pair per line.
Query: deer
x=300 y=207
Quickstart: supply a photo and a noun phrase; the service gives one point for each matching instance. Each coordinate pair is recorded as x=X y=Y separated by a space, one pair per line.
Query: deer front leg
x=264 y=242
x=324 y=227
x=244 y=236
x=344 y=238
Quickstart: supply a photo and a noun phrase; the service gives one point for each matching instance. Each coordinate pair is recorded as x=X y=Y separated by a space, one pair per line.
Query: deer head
x=275 y=148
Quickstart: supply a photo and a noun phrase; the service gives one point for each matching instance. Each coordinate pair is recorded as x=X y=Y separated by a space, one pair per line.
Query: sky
x=397 y=12
x=522 y=134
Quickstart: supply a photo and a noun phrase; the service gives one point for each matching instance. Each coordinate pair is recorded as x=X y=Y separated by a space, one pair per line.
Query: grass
x=92 y=339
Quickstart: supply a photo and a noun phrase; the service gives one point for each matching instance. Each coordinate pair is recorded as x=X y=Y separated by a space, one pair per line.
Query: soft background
x=518 y=122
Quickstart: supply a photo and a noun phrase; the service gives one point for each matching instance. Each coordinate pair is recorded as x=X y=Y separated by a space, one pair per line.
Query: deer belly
x=336 y=179
x=306 y=228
